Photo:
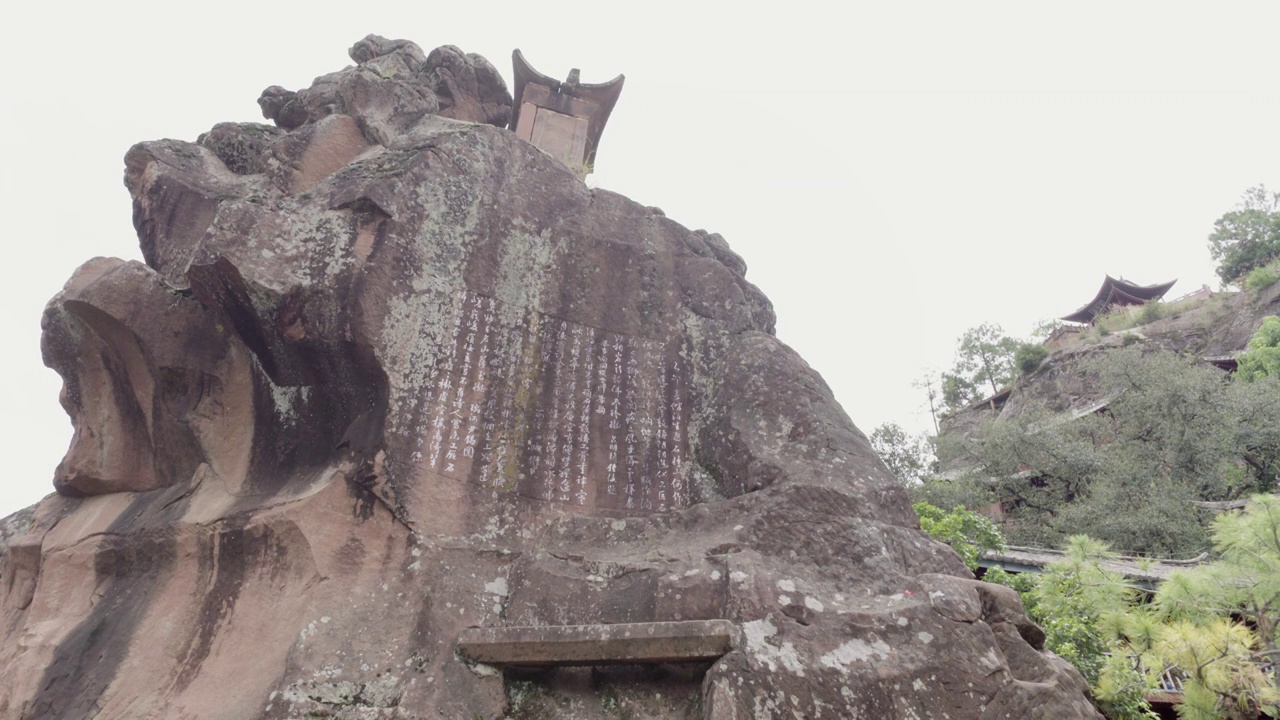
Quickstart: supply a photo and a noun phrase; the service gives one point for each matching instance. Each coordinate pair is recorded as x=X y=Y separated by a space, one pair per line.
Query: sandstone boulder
x=389 y=374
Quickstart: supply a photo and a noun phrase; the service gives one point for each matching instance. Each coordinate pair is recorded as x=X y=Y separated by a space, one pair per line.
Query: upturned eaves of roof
x=1117 y=292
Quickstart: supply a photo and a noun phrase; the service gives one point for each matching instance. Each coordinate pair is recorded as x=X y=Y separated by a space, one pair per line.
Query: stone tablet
x=623 y=643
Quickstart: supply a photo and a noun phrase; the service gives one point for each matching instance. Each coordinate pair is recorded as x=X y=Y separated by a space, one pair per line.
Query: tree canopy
x=1244 y=580
x=1203 y=607
x=1216 y=625
x=968 y=533
x=985 y=356
x=908 y=456
x=1263 y=357
x=1174 y=431
x=1248 y=236
x=1028 y=356
x=984 y=365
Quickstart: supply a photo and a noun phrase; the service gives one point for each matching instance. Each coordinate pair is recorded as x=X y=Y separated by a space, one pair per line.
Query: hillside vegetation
x=1131 y=429
x=1121 y=435
x=1154 y=431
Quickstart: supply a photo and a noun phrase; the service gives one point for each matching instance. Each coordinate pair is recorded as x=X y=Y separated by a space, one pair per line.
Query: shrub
x=1151 y=312
x=951 y=493
x=1028 y=357
x=1262 y=277
x=1248 y=236
x=968 y=533
x=1263 y=357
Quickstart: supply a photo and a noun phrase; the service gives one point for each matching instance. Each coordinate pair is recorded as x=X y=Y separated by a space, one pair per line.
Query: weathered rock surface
x=389 y=373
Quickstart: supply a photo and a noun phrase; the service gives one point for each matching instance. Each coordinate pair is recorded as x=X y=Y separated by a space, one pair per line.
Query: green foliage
x=1124 y=318
x=1204 y=606
x=1263 y=277
x=1219 y=658
x=985 y=356
x=951 y=493
x=1085 y=611
x=1163 y=443
x=1023 y=583
x=968 y=533
x=1076 y=639
x=1175 y=431
x=984 y=365
x=1248 y=236
x=1078 y=601
x=1064 y=459
x=1028 y=357
x=957 y=392
x=1151 y=311
x=1216 y=623
x=1263 y=357
x=1122 y=687
x=1244 y=581
x=909 y=457
x=1256 y=416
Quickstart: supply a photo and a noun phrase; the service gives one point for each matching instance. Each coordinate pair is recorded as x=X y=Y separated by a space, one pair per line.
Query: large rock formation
x=390 y=373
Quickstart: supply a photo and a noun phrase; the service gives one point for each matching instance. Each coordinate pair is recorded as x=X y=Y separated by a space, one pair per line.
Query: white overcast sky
x=892 y=172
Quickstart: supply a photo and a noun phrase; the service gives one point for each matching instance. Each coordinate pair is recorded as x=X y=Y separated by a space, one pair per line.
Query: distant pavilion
x=1117 y=293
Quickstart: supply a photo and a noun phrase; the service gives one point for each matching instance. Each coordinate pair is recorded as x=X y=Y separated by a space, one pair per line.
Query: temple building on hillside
x=1117 y=293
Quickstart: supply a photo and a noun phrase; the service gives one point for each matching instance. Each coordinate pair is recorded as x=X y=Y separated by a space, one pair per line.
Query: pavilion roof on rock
x=1118 y=293
x=563 y=119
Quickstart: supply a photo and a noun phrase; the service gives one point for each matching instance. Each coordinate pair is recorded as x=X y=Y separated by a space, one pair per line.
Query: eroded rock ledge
x=389 y=373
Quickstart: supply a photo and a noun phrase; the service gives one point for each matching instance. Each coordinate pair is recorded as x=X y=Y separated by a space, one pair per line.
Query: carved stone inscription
x=555 y=410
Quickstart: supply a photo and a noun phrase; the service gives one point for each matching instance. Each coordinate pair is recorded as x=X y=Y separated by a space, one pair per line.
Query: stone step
x=623 y=643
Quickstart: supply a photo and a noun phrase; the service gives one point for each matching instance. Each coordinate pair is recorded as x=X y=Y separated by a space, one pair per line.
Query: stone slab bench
x=624 y=643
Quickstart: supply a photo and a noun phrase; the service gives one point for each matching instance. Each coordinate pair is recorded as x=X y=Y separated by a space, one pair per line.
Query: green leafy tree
x=984 y=365
x=1255 y=427
x=1261 y=278
x=1035 y=464
x=1222 y=679
x=1174 y=431
x=1028 y=356
x=1088 y=613
x=1077 y=600
x=958 y=392
x=908 y=456
x=947 y=493
x=1123 y=685
x=1256 y=401
x=1263 y=356
x=1164 y=442
x=1217 y=624
x=968 y=533
x=1220 y=655
x=985 y=357
x=1248 y=236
